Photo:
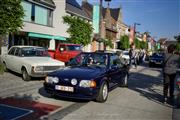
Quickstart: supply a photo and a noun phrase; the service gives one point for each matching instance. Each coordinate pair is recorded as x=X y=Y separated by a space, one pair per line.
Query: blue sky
x=160 y=17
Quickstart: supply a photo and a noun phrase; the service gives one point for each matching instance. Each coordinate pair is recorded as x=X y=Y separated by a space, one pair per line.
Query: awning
x=38 y=35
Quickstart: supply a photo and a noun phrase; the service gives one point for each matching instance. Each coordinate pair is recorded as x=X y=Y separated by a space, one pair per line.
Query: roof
x=162 y=40
x=115 y=13
x=89 y=9
x=74 y=8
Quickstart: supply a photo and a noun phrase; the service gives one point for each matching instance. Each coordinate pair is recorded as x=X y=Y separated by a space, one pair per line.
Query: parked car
x=177 y=89
x=125 y=55
x=30 y=61
x=65 y=51
x=156 y=59
x=89 y=76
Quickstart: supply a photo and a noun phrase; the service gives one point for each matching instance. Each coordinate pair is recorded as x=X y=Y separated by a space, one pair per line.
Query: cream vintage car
x=30 y=61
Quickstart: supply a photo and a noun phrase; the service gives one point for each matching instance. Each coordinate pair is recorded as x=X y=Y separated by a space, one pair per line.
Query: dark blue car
x=90 y=76
x=156 y=59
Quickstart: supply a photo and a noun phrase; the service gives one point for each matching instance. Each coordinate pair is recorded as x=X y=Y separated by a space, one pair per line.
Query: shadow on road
x=147 y=85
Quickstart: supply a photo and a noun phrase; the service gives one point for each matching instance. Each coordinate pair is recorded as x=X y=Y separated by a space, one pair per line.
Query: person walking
x=171 y=63
x=133 y=55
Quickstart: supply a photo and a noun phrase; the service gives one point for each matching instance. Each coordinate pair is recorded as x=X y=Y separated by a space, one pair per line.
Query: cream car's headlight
x=38 y=68
x=49 y=79
x=87 y=83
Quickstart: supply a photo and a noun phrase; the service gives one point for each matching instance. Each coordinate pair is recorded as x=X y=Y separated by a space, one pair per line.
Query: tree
x=11 y=16
x=137 y=43
x=80 y=30
x=143 y=45
x=177 y=38
x=107 y=42
x=178 y=42
x=11 y=19
x=124 y=42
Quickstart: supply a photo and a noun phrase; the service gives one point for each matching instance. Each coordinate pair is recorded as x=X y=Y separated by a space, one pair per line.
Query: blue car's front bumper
x=79 y=92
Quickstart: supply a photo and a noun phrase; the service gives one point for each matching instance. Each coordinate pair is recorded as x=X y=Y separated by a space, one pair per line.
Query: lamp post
x=135 y=28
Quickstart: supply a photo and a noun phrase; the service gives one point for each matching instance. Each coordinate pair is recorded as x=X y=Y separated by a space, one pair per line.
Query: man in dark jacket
x=171 y=63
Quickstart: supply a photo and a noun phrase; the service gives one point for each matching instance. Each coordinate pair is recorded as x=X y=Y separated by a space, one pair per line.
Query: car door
x=8 y=58
x=113 y=70
x=62 y=53
x=17 y=60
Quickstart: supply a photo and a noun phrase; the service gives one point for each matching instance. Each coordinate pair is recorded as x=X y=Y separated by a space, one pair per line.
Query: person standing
x=132 y=55
x=171 y=62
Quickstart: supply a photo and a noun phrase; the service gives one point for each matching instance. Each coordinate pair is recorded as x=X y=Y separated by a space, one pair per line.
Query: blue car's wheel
x=103 y=93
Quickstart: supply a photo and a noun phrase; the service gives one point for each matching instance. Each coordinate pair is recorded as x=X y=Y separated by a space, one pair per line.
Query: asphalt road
x=142 y=100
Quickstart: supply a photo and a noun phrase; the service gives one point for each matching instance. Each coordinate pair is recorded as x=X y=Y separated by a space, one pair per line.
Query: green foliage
x=140 y=44
x=107 y=42
x=177 y=38
x=124 y=42
x=137 y=43
x=178 y=47
x=80 y=31
x=143 y=45
x=11 y=16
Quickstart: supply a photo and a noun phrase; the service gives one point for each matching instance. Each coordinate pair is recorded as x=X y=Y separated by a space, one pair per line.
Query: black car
x=90 y=76
x=156 y=59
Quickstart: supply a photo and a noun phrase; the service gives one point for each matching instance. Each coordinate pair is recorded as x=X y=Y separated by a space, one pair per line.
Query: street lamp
x=135 y=28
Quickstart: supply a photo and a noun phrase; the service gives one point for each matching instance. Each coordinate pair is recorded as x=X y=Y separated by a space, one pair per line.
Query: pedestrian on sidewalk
x=133 y=55
x=171 y=63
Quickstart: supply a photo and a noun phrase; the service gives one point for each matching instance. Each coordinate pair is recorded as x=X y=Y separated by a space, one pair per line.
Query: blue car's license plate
x=64 y=88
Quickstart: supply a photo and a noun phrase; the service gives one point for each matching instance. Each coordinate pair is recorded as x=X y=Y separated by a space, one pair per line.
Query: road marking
x=29 y=111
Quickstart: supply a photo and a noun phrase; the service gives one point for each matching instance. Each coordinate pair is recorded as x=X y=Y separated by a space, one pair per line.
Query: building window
x=27 y=10
x=37 y=14
x=33 y=13
x=41 y=15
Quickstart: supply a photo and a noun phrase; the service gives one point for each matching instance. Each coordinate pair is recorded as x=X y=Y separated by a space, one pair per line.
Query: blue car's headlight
x=87 y=83
x=49 y=79
x=74 y=81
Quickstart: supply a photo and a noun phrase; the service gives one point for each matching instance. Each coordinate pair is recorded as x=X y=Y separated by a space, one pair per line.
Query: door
x=61 y=54
x=116 y=70
x=9 y=58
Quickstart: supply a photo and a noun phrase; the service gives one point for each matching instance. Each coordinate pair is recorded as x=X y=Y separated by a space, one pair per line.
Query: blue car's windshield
x=158 y=55
x=90 y=59
x=32 y=51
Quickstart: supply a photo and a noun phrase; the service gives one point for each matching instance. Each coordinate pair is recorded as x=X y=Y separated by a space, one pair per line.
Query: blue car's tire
x=103 y=93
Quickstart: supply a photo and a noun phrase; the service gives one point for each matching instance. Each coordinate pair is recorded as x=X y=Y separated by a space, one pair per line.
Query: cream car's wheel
x=25 y=75
x=103 y=93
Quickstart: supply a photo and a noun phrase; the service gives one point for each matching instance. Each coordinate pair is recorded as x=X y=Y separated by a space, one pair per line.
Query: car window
x=17 y=52
x=34 y=52
x=126 y=53
x=11 y=51
x=115 y=61
x=90 y=59
x=73 y=47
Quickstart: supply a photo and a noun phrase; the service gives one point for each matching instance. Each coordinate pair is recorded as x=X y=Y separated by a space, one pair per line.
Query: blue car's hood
x=86 y=73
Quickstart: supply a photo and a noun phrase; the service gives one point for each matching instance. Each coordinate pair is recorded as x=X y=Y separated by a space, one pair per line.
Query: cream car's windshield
x=30 y=52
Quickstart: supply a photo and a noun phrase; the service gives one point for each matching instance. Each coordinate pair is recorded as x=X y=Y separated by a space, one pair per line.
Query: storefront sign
x=46 y=36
